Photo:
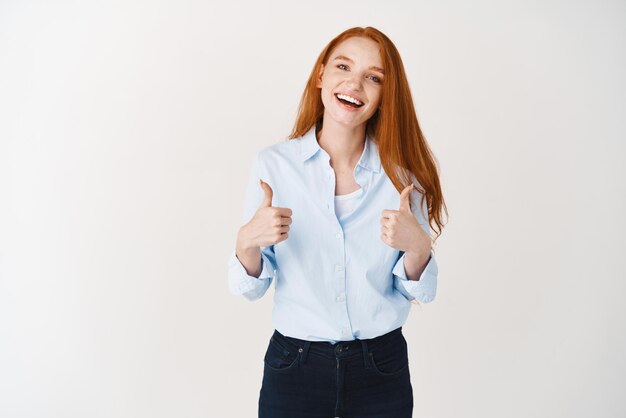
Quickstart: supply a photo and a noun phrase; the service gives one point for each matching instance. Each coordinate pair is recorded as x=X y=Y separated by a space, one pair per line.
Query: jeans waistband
x=343 y=349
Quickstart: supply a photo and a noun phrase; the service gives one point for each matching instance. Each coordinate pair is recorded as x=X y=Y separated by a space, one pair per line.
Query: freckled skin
x=354 y=77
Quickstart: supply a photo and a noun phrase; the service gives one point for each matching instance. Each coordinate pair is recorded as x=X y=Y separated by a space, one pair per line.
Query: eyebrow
x=343 y=57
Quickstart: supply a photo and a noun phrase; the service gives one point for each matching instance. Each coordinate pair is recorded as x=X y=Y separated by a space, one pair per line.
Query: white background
x=127 y=131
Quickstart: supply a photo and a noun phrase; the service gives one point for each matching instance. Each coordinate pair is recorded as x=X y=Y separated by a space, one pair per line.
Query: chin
x=347 y=120
x=350 y=123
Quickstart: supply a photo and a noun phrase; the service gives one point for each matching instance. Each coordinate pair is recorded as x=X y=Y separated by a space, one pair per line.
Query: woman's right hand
x=268 y=226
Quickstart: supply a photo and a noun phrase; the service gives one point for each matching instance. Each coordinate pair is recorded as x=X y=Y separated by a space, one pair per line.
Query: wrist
x=243 y=242
x=421 y=256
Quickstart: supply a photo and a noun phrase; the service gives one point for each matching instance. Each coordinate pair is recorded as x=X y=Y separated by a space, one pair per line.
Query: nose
x=354 y=82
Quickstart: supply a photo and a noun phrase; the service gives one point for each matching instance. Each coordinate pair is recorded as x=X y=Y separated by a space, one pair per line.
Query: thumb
x=267 y=190
x=405 y=198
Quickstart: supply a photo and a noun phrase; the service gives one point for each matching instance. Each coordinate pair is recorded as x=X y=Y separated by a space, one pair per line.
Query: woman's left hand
x=400 y=229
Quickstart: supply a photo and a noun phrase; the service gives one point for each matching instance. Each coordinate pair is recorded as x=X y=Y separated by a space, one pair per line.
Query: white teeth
x=350 y=99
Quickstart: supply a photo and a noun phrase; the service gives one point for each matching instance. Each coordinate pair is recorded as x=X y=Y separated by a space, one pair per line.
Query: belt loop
x=305 y=351
x=365 y=354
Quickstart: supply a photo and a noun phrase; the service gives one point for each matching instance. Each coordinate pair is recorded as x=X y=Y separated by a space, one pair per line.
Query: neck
x=343 y=144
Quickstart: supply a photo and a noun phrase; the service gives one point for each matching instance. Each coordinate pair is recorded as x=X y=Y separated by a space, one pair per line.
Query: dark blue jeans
x=352 y=379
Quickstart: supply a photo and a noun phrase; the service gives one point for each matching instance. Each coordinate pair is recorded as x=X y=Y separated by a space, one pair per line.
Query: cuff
x=423 y=289
x=240 y=282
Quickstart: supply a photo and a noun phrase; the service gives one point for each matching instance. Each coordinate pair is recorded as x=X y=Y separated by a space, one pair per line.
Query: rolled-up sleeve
x=425 y=288
x=239 y=281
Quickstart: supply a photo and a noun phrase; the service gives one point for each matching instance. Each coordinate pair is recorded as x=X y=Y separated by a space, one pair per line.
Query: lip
x=345 y=106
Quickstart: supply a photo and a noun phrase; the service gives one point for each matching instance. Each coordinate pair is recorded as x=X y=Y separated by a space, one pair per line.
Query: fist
x=400 y=229
x=269 y=225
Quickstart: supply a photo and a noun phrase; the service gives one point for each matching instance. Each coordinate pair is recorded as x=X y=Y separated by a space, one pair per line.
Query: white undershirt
x=344 y=204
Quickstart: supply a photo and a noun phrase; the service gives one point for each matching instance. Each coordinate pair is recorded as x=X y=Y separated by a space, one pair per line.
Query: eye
x=342 y=65
x=375 y=79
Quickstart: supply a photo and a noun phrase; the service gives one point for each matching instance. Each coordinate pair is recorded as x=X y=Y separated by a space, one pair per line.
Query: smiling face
x=351 y=82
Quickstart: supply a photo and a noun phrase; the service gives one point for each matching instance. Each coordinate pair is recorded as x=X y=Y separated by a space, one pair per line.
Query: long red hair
x=402 y=147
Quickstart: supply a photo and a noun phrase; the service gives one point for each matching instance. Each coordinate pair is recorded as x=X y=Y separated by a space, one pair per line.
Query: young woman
x=339 y=218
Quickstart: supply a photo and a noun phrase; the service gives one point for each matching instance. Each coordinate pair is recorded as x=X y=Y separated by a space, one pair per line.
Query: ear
x=319 y=77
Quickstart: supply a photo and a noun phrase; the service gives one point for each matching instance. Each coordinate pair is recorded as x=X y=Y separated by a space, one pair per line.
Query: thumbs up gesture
x=400 y=229
x=269 y=225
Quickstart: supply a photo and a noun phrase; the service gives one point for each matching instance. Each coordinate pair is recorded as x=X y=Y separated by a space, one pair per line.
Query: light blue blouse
x=334 y=280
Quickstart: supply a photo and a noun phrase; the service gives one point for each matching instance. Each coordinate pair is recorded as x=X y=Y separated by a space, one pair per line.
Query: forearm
x=415 y=263
x=248 y=255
